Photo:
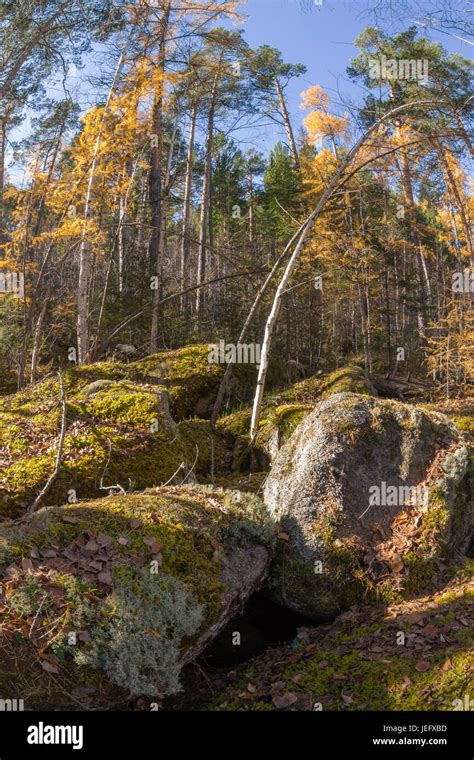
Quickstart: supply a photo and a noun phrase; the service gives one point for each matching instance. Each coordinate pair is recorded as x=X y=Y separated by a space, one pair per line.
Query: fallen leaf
x=283 y=701
x=103 y=539
x=422 y=666
x=152 y=544
x=414 y=617
x=431 y=631
x=49 y=667
x=397 y=566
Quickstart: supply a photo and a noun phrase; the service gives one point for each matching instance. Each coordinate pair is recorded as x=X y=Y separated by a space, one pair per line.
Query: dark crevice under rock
x=261 y=624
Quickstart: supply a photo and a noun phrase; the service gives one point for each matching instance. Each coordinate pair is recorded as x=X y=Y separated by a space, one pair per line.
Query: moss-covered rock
x=370 y=494
x=129 y=588
x=192 y=381
x=120 y=433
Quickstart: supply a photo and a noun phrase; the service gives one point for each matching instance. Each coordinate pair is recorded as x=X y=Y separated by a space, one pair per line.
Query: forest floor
x=413 y=655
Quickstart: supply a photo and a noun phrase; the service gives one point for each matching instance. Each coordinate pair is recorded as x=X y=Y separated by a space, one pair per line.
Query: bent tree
x=338 y=180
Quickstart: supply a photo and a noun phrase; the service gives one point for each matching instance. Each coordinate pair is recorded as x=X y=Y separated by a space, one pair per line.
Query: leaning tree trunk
x=41 y=34
x=338 y=180
x=225 y=382
x=37 y=337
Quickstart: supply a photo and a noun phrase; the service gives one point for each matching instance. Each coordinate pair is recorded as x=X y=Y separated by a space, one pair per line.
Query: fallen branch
x=128 y=321
x=117 y=487
x=59 y=453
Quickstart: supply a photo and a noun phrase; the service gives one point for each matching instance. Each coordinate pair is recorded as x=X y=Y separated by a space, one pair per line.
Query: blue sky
x=322 y=38
x=319 y=36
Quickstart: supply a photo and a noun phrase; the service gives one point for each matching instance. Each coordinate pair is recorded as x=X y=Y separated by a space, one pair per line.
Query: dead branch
x=34 y=506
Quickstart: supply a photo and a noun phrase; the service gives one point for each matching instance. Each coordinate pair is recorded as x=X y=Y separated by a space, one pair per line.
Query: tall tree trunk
x=453 y=187
x=389 y=322
x=3 y=142
x=250 y=202
x=120 y=243
x=185 y=242
x=288 y=127
x=156 y=153
x=157 y=294
x=423 y=280
x=205 y=198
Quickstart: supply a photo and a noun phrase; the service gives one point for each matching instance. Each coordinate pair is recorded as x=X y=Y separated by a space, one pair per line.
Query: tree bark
x=37 y=338
x=157 y=293
x=288 y=127
x=3 y=142
x=185 y=242
x=156 y=154
x=85 y=253
x=452 y=185
x=205 y=198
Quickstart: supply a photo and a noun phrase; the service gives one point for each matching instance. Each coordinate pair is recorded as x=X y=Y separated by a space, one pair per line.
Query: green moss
x=282 y=412
x=191 y=380
x=465 y=424
x=349 y=379
x=237 y=423
x=210 y=448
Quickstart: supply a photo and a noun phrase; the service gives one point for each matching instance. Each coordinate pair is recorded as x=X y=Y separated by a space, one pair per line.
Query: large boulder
x=370 y=495
x=123 y=591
